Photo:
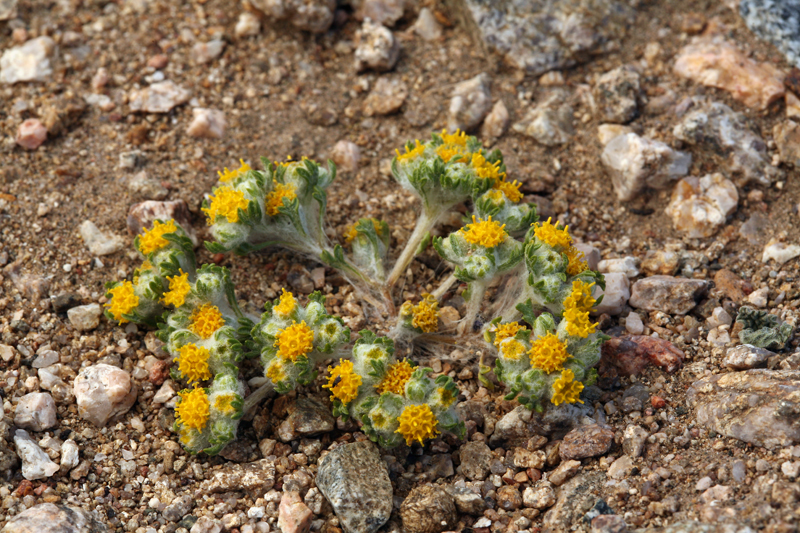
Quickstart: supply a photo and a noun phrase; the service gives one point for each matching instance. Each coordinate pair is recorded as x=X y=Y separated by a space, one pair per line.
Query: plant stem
x=425 y=223
x=476 y=291
x=446 y=284
x=257 y=395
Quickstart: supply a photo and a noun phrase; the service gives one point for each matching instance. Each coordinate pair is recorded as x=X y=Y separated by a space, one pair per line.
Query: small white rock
x=496 y=122
x=703 y=484
x=471 y=102
x=36 y=412
x=759 y=297
x=427 y=26
x=700 y=206
x=70 y=455
x=791 y=469
x=626 y=265
x=633 y=324
x=31 y=134
x=719 y=317
x=45 y=359
x=204 y=52
x=36 y=464
x=85 y=317
x=780 y=252
x=377 y=47
x=28 y=62
x=165 y=393
x=98 y=242
x=103 y=391
x=719 y=337
x=159 y=97
x=247 y=25
x=616 y=294
x=346 y=155
x=208 y=123
x=607 y=132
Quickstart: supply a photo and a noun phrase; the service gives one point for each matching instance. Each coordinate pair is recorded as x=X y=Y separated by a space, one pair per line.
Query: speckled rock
x=690 y=526
x=699 y=207
x=36 y=412
x=475 y=460
x=377 y=48
x=178 y=508
x=775 y=21
x=629 y=355
x=315 y=16
x=575 y=498
x=541 y=36
x=517 y=426
x=470 y=103
x=160 y=97
x=550 y=121
x=142 y=215
x=28 y=62
x=586 y=441
x=386 y=97
x=667 y=294
x=467 y=501
x=715 y=127
x=355 y=480
x=761 y=407
x=636 y=163
x=257 y=476
x=428 y=509
x=35 y=462
x=541 y=496
x=609 y=523
x=85 y=317
x=102 y=392
x=98 y=242
x=51 y=518
x=307 y=417
x=745 y=357
x=617 y=95
x=633 y=440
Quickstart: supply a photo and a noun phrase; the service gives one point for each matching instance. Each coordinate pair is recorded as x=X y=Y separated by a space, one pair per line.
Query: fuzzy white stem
x=257 y=395
x=443 y=288
x=425 y=223
x=476 y=292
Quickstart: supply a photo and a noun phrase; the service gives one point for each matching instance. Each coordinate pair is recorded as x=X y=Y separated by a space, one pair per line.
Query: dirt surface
x=77 y=176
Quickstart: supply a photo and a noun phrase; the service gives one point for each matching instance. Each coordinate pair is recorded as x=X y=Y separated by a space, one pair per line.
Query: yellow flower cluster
x=192 y=411
x=577 y=261
x=295 y=341
x=506 y=331
x=396 y=378
x=193 y=362
x=123 y=301
x=229 y=175
x=152 y=240
x=275 y=371
x=486 y=233
x=553 y=235
x=179 y=288
x=205 y=320
x=343 y=382
x=566 y=389
x=226 y=202
x=576 y=310
x=511 y=349
x=417 y=423
x=287 y=304
x=426 y=314
x=275 y=198
x=352 y=232
x=411 y=154
x=487 y=170
x=548 y=353
x=223 y=403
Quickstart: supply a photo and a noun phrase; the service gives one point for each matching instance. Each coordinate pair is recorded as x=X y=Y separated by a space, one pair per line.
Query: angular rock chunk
x=550 y=122
x=668 y=294
x=355 y=480
x=471 y=102
x=761 y=407
x=102 y=392
x=51 y=518
x=617 y=95
x=257 y=476
x=700 y=206
x=586 y=441
x=377 y=48
x=36 y=464
x=575 y=498
x=28 y=62
x=630 y=354
x=428 y=509
x=745 y=357
x=36 y=412
x=307 y=417
x=160 y=97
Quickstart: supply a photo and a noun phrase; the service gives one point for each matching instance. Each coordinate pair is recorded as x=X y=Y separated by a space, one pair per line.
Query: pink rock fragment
x=31 y=134
x=630 y=355
x=293 y=515
x=208 y=123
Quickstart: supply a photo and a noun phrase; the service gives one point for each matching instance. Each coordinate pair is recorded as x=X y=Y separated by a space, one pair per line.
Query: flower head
x=486 y=233
x=449 y=151
x=275 y=198
x=417 y=423
x=580 y=297
x=153 y=239
x=511 y=349
x=205 y=320
x=578 y=323
x=425 y=315
x=295 y=341
x=192 y=411
x=226 y=202
x=565 y=389
x=179 y=287
x=485 y=169
x=287 y=304
x=223 y=403
x=553 y=235
x=577 y=261
x=396 y=378
x=458 y=138
x=228 y=175
x=350 y=234
x=548 y=353
x=510 y=189
x=446 y=397
x=123 y=301
x=343 y=382
x=193 y=362
x=411 y=154
x=505 y=331
x=275 y=371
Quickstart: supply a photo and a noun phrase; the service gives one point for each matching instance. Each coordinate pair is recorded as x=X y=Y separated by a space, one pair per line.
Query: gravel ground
x=286 y=92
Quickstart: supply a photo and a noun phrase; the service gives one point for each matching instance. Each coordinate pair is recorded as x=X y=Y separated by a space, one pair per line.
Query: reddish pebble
x=159 y=372
x=158 y=61
x=657 y=402
x=19 y=35
x=25 y=488
x=31 y=134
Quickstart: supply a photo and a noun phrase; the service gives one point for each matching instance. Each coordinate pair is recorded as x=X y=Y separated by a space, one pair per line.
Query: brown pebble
x=657 y=402
x=158 y=61
x=792 y=80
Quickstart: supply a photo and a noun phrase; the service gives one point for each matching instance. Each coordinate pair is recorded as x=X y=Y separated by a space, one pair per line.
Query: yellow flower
x=192 y=411
x=505 y=331
x=417 y=423
x=193 y=362
x=228 y=175
x=448 y=152
x=553 y=235
x=577 y=261
x=152 y=240
x=446 y=397
x=510 y=189
x=581 y=296
x=487 y=170
x=350 y=234
x=396 y=378
x=294 y=341
x=223 y=403
x=287 y=304
x=343 y=382
x=458 y=138
x=275 y=371
x=426 y=314
x=179 y=287
x=511 y=349
x=123 y=301
x=565 y=389
x=578 y=323
x=205 y=320
x=486 y=233
x=275 y=198
x=411 y=154
x=495 y=195
x=146 y=265
x=226 y=202
x=548 y=353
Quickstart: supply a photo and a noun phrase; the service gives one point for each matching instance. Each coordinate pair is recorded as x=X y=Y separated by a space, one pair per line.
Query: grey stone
x=45 y=359
x=761 y=407
x=476 y=458
x=636 y=163
x=428 y=509
x=51 y=518
x=315 y=16
x=586 y=441
x=620 y=468
x=517 y=426
x=103 y=392
x=667 y=294
x=307 y=417
x=575 y=498
x=777 y=22
x=35 y=462
x=97 y=242
x=386 y=97
x=550 y=121
x=538 y=36
x=467 y=501
x=633 y=440
x=377 y=48
x=540 y=496
x=745 y=357
x=8 y=9
x=202 y=53
x=470 y=103
x=85 y=317
x=179 y=508
x=763 y=329
x=255 y=476
x=36 y=412
x=427 y=26
x=617 y=94
x=716 y=128
x=355 y=480
x=160 y=97
x=143 y=187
